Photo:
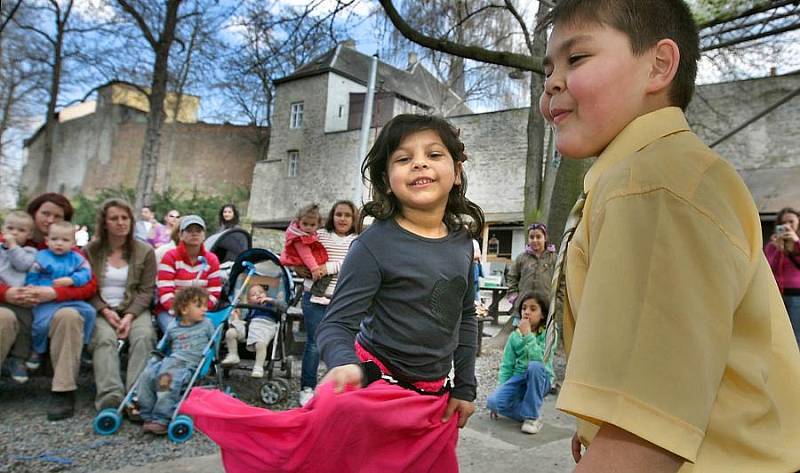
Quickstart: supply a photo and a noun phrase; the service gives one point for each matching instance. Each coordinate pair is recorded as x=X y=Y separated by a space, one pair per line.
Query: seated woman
x=126 y=272
x=66 y=328
x=187 y=265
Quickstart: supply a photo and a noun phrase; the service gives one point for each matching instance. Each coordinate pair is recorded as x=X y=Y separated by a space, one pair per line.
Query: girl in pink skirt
x=399 y=337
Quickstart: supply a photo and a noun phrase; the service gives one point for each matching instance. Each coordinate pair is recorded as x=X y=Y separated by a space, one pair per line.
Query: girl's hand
x=342 y=376
x=464 y=409
x=318 y=273
x=524 y=326
x=576 y=448
x=790 y=236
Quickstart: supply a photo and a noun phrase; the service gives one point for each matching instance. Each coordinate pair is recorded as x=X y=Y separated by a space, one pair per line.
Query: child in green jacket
x=524 y=380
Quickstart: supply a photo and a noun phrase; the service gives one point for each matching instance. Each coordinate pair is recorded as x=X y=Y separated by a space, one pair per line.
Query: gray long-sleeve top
x=15 y=264
x=408 y=300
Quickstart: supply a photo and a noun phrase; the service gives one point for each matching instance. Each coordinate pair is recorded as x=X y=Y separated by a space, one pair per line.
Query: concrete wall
x=496 y=144
x=771 y=142
x=103 y=150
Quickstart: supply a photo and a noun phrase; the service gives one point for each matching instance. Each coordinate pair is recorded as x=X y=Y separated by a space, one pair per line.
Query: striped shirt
x=337 y=247
x=176 y=271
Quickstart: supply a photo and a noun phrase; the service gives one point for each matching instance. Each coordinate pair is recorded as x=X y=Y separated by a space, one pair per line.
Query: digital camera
x=779 y=229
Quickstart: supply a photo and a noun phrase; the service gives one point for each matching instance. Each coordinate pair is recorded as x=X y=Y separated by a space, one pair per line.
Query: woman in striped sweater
x=189 y=264
x=337 y=235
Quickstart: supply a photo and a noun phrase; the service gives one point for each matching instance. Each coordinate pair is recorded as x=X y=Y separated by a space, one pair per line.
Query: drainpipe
x=366 y=122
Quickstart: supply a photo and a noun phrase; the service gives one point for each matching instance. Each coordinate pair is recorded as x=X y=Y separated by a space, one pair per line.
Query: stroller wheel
x=107 y=422
x=273 y=392
x=180 y=429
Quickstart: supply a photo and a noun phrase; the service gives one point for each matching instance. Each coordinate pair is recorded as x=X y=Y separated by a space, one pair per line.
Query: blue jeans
x=157 y=403
x=793 y=307
x=522 y=395
x=312 y=313
x=164 y=319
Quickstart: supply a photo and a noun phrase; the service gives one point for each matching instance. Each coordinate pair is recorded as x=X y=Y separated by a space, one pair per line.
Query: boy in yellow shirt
x=681 y=356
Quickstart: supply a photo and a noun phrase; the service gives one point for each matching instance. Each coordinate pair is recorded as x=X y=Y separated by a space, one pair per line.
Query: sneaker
x=258 y=372
x=62 y=405
x=34 y=361
x=532 y=426
x=306 y=394
x=231 y=359
x=154 y=428
x=19 y=372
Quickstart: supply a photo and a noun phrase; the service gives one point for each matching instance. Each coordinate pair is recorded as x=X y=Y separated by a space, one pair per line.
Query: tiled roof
x=417 y=84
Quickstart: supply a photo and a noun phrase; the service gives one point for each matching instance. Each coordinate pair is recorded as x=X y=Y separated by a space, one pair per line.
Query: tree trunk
x=51 y=120
x=568 y=186
x=145 y=183
x=534 y=158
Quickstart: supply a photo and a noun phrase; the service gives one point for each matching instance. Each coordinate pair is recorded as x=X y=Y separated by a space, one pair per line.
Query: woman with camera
x=783 y=254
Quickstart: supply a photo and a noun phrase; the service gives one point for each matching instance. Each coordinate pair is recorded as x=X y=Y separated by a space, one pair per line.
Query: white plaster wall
x=339 y=90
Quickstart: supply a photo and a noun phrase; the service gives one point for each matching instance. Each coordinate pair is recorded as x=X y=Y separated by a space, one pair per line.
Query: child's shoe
x=306 y=394
x=34 y=361
x=258 y=372
x=532 y=426
x=19 y=372
x=154 y=428
x=231 y=359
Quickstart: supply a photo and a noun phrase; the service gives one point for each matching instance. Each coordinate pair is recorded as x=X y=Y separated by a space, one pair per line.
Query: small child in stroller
x=163 y=381
x=263 y=325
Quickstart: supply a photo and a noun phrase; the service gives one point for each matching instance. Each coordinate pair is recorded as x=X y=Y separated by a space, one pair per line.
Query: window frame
x=293 y=163
x=296 y=115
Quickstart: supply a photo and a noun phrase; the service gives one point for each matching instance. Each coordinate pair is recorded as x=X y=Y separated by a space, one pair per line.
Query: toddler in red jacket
x=302 y=247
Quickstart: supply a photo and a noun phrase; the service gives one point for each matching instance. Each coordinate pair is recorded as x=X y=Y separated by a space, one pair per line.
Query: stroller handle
x=277 y=305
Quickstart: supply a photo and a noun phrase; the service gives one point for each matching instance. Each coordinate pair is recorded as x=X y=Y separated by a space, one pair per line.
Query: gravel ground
x=29 y=443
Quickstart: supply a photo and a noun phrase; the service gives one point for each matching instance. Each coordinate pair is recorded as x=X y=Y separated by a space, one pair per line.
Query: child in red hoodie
x=302 y=247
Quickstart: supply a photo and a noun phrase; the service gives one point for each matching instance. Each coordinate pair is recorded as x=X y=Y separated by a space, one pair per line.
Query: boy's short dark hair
x=644 y=22
x=186 y=296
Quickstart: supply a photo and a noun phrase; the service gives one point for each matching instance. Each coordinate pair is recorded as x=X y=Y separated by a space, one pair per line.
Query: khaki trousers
x=66 y=343
x=15 y=331
x=105 y=360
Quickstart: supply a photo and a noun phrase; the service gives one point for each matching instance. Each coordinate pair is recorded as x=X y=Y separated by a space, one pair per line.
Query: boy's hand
x=317 y=274
x=343 y=376
x=576 y=448
x=9 y=241
x=235 y=315
x=525 y=326
x=464 y=409
x=63 y=282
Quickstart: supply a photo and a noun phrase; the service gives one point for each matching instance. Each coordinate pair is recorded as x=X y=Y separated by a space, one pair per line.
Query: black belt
x=372 y=372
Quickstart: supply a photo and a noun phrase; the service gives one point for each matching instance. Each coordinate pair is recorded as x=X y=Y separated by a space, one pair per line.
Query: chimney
x=412 y=60
x=773 y=71
x=349 y=43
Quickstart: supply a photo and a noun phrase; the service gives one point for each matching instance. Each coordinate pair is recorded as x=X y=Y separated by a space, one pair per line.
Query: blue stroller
x=181 y=427
x=277 y=280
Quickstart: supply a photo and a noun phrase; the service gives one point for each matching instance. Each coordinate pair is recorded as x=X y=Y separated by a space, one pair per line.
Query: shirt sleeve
x=77 y=293
x=654 y=322
x=82 y=273
x=465 y=386
x=305 y=254
x=359 y=281
x=22 y=257
x=166 y=280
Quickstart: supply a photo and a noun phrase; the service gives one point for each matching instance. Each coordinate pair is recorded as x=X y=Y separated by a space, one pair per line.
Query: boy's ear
x=665 y=59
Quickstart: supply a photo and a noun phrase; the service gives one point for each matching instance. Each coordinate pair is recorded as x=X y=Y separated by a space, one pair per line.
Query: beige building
x=98 y=145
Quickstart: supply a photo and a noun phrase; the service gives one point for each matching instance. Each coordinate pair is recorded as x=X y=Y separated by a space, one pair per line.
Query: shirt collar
x=634 y=137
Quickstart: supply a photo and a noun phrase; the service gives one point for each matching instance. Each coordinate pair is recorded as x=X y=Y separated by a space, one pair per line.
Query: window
x=296 y=119
x=294 y=163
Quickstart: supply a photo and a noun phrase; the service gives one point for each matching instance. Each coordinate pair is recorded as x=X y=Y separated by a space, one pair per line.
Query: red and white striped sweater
x=176 y=271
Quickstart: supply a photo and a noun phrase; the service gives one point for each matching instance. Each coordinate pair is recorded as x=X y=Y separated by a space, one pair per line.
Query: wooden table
x=498 y=292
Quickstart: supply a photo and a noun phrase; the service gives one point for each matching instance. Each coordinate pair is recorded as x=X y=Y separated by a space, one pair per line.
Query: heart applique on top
x=447 y=300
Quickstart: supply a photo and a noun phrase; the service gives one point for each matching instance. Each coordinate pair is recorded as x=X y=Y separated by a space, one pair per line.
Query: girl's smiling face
x=421 y=172
x=532 y=311
x=536 y=240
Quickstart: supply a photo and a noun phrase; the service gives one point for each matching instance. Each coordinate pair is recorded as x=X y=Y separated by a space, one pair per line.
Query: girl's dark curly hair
x=384 y=204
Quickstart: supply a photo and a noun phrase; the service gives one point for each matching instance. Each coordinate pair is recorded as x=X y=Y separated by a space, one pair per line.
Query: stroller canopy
x=228 y=244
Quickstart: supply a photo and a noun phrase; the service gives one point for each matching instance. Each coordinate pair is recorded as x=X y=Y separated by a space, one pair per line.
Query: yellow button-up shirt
x=674 y=326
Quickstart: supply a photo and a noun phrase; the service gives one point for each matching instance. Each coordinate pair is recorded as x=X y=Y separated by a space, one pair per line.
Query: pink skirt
x=381 y=428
